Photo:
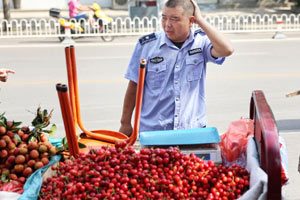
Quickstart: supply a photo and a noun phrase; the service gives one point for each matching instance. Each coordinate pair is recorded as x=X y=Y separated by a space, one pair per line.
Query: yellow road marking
x=64 y=82
x=238 y=76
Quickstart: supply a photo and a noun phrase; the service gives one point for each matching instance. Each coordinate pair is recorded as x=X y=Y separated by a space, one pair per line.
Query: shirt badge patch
x=147 y=38
x=156 y=60
x=195 y=51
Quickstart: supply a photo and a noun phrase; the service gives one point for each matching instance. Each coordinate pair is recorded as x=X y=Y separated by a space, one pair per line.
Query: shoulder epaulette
x=147 y=38
x=199 y=31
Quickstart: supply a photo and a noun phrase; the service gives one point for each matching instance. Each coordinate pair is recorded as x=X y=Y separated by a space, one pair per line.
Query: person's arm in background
x=128 y=107
x=84 y=8
x=4 y=74
x=222 y=46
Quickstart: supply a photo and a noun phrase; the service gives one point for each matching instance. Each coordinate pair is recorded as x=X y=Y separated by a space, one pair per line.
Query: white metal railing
x=139 y=26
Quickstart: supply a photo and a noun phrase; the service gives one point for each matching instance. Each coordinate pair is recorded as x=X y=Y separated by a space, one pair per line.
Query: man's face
x=175 y=24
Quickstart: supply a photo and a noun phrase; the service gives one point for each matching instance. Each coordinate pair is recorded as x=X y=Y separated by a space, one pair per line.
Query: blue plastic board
x=181 y=137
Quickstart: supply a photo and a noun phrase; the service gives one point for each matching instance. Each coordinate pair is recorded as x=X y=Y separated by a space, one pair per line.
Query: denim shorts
x=81 y=16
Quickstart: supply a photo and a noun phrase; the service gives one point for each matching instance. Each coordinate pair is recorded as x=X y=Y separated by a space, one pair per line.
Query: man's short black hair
x=187 y=6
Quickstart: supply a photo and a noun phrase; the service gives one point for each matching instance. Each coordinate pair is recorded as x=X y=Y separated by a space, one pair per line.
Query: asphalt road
x=259 y=63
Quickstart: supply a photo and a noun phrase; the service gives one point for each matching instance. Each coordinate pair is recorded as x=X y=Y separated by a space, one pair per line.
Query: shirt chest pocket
x=194 y=66
x=156 y=74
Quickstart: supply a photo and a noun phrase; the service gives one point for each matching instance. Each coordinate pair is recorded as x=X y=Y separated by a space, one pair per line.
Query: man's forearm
x=222 y=47
x=84 y=8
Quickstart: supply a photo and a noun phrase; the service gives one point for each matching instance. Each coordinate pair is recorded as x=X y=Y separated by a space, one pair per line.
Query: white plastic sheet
x=9 y=195
x=258 y=178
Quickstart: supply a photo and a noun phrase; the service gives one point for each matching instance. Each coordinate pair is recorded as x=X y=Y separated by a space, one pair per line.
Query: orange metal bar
x=98 y=136
x=69 y=116
x=138 y=102
x=66 y=124
x=71 y=85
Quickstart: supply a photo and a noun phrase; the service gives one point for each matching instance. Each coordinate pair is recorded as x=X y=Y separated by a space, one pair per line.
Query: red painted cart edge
x=266 y=137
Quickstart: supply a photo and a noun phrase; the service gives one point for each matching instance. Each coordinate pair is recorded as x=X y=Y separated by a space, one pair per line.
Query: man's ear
x=192 y=20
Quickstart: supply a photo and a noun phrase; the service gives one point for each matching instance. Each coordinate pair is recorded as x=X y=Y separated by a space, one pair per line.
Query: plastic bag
x=9 y=195
x=12 y=186
x=234 y=142
x=284 y=162
x=258 y=177
x=34 y=182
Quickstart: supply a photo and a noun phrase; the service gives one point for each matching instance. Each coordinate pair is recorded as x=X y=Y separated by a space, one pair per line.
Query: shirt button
x=156 y=69
x=176 y=99
x=176 y=82
x=177 y=66
x=176 y=115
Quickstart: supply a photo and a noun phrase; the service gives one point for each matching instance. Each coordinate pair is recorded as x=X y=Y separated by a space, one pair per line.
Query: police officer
x=174 y=90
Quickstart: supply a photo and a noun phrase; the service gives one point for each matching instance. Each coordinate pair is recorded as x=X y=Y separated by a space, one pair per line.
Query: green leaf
x=59 y=149
x=34 y=131
x=4 y=179
x=52 y=131
x=16 y=124
x=38 y=118
x=18 y=137
x=32 y=139
x=65 y=143
x=46 y=123
x=2 y=124
x=39 y=126
x=2 y=116
x=15 y=129
x=45 y=113
x=81 y=145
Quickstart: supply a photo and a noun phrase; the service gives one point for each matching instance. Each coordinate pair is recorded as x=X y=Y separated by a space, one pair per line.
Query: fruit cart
x=266 y=143
x=266 y=150
x=265 y=130
x=268 y=153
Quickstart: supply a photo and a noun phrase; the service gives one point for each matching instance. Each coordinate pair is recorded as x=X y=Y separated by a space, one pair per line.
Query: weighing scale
x=203 y=142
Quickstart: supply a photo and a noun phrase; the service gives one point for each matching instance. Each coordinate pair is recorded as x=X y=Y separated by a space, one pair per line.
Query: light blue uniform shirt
x=174 y=89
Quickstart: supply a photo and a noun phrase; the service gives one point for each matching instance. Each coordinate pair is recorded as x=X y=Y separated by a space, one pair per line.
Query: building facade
x=123 y=4
x=62 y=4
